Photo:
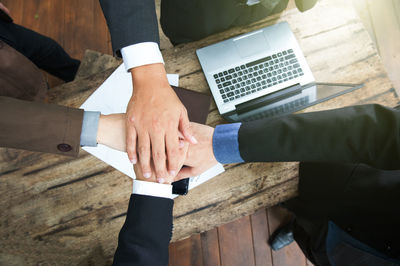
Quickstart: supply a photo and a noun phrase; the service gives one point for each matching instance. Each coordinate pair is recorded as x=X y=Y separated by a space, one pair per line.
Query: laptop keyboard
x=280 y=110
x=257 y=75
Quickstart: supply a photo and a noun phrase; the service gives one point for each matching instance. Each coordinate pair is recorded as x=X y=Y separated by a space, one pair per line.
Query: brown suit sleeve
x=40 y=127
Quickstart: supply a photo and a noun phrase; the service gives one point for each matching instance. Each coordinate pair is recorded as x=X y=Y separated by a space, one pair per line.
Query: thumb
x=184 y=127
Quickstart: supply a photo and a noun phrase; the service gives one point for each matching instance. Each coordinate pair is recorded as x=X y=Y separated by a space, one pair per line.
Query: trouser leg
x=43 y=51
x=309 y=232
x=189 y=20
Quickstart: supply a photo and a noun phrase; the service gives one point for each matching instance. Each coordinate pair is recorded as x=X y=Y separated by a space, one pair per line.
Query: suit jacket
x=42 y=127
x=364 y=137
x=19 y=77
x=349 y=175
x=34 y=126
x=130 y=22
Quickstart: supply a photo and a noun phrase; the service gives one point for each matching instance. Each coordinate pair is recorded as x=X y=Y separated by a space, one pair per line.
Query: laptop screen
x=289 y=100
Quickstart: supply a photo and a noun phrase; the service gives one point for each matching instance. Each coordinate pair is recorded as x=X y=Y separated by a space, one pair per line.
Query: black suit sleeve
x=130 y=22
x=367 y=134
x=146 y=233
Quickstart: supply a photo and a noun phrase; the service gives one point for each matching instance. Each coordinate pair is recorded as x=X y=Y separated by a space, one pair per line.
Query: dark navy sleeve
x=145 y=235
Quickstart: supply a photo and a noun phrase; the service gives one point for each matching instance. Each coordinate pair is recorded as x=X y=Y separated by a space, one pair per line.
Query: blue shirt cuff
x=226 y=143
x=90 y=124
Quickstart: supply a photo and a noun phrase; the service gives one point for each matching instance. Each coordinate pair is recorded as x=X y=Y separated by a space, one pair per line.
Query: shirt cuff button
x=64 y=147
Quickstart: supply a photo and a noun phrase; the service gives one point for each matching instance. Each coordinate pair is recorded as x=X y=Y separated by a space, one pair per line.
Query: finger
x=174 y=153
x=183 y=148
x=131 y=141
x=185 y=172
x=153 y=174
x=181 y=144
x=159 y=157
x=180 y=135
x=184 y=127
x=144 y=153
x=182 y=141
x=139 y=174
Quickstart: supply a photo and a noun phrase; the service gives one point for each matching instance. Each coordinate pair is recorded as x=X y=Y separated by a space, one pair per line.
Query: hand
x=200 y=157
x=111 y=131
x=168 y=180
x=5 y=9
x=155 y=116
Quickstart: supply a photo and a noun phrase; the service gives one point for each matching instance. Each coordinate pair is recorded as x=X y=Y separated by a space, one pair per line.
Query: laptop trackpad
x=251 y=44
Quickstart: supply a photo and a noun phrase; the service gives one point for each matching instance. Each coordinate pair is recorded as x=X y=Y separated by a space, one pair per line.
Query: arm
x=145 y=235
x=368 y=134
x=155 y=115
x=40 y=127
x=130 y=22
x=57 y=129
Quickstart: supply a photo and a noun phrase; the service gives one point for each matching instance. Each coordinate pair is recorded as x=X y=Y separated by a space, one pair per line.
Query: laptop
x=262 y=74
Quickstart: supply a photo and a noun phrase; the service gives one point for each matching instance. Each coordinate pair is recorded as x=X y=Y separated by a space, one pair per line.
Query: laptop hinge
x=268 y=99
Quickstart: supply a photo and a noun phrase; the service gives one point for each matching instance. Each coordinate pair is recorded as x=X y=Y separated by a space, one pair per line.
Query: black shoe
x=281 y=237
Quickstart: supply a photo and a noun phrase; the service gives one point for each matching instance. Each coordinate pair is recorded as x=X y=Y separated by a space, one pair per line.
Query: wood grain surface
x=70 y=210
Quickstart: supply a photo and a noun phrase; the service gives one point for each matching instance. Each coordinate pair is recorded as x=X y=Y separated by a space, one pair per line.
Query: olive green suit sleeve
x=304 y=5
x=40 y=127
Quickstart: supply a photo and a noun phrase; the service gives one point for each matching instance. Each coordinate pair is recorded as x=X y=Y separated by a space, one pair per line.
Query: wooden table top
x=66 y=209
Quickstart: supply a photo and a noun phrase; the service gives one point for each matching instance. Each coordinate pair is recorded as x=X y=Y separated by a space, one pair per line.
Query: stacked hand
x=198 y=158
x=155 y=121
x=158 y=131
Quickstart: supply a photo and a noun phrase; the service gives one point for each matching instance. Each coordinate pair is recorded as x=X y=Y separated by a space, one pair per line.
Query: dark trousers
x=185 y=21
x=44 y=52
x=360 y=199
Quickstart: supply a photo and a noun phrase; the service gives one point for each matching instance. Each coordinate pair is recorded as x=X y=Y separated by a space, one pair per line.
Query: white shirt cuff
x=152 y=189
x=141 y=54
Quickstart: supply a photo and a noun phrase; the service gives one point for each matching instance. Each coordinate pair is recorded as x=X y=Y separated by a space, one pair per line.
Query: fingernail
x=161 y=180
x=134 y=161
x=147 y=175
x=181 y=144
x=172 y=173
x=194 y=140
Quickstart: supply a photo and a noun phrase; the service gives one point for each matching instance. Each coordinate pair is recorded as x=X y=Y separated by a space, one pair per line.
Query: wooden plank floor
x=242 y=242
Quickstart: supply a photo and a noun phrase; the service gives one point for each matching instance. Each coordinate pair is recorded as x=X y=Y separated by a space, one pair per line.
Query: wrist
x=100 y=129
x=144 y=76
x=211 y=146
x=111 y=131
